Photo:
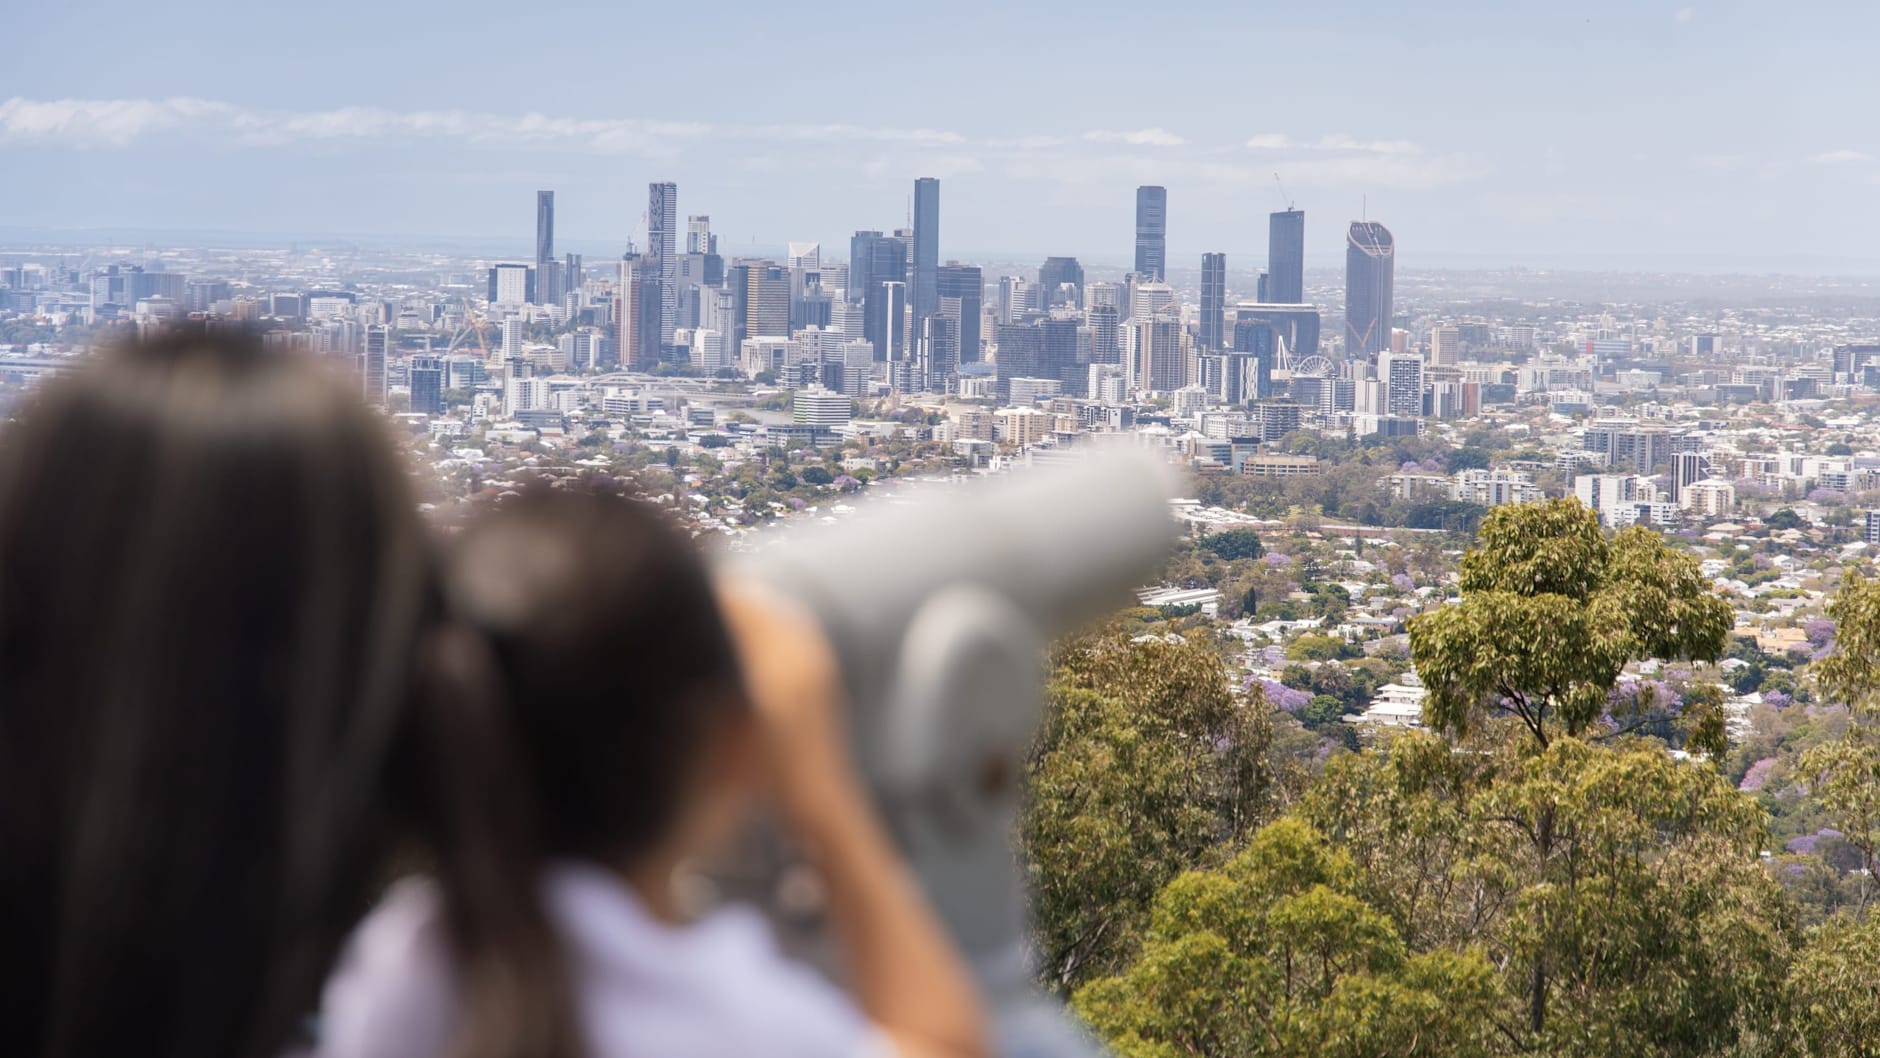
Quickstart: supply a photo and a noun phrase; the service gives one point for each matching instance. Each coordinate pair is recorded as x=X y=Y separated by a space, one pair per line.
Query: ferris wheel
x=1312 y=366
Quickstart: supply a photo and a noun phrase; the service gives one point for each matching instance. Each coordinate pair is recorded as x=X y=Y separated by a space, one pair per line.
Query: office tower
x=1152 y=232
x=511 y=284
x=767 y=300
x=1148 y=299
x=1213 y=300
x=571 y=274
x=1159 y=363
x=1402 y=375
x=514 y=331
x=892 y=306
x=427 y=385
x=1369 y=263
x=1256 y=339
x=1014 y=297
x=939 y=350
x=876 y=260
x=636 y=313
x=662 y=219
x=546 y=287
x=1106 y=345
x=1115 y=295
x=1285 y=257
x=1445 y=344
x=925 y=292
x=1055 y=275
x=1295 y=326
x=698 y=235
x=962 y=291
x=372 y=362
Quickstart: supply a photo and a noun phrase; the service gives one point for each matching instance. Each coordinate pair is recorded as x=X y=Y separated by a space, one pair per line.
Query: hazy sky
x=1730 y=134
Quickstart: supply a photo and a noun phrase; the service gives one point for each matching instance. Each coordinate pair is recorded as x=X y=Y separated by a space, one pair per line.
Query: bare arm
x=907 y=975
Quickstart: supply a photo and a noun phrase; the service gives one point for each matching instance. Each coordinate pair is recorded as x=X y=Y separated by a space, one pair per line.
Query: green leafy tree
x=1845 y=773
x=1274 y=954
x=1234 y=544
x=1551 y=611
x=1146 y=765
x=1833 y=995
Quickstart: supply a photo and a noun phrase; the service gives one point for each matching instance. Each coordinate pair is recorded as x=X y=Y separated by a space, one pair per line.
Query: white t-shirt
x=643 y=987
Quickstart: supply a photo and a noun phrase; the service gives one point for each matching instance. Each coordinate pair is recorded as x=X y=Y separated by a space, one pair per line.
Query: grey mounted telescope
x=940 y=607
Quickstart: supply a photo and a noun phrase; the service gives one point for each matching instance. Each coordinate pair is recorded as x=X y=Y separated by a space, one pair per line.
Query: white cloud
x=1336 y=142
x=1842 y=157
x=1155 y=137
x=120 y=122
x=1684 y=15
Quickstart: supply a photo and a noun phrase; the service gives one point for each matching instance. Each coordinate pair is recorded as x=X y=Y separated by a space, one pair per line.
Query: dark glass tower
x=1370 y=260
x=963 y=284
x=1152 y=232
x=925 y=295
x=546 y=283
x=875 y=260
x=1057 y=273
x=1286 y=257
x=1213 y=300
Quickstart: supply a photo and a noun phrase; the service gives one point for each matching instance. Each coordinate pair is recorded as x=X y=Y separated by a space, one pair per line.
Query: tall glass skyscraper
x=546 y=286
x=925 y=295
x=964 y=285
x=662 y=234
x=1286 y=257
x=1152 y=232
x=1213 y=300
x=1369 y=268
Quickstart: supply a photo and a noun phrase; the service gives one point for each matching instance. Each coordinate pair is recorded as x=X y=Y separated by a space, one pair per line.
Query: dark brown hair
x=212 y=583
x=597 y=664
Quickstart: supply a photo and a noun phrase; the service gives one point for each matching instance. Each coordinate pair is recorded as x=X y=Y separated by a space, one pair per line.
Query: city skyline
x=1612 y=136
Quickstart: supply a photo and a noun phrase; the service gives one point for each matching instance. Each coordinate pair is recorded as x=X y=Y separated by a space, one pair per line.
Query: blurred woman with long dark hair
x=213 y=583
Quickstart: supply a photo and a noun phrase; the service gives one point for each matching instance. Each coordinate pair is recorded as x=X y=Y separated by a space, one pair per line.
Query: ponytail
x=480 y=813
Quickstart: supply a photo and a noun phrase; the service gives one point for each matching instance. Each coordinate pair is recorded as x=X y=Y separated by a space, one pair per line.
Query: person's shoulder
x=391 y=992
x=716 y=986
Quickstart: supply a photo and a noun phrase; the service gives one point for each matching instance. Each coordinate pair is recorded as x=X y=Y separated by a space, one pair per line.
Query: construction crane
x=472 y=324
x=1282 y=193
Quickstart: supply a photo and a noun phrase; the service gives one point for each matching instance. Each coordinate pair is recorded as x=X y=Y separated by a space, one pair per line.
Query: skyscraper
x=1369 y=268
x=547 y=287
x=636 y=313
x=1402 y=375
x=1286 y=257
x=1152 y=231
x=876 y=260
x=1213 y=300
x=925 y=295
x=698 y=235
x=427 y=385
x=662 y=223
x=767 y=301
x=1057 y=273
x=372 y=362
x=963 y=286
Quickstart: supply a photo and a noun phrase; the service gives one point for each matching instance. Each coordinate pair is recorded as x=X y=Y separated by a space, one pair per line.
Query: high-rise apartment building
x=662 y=222
x=1402 y=375
x=925 y=292
x=1152 y=232
x=698 y=235
x=636 y=313
x=547 y=288
x=1286 y=257
x=1159 y=363
x=1370 y=261
x=511 y=284
x=1213 y=301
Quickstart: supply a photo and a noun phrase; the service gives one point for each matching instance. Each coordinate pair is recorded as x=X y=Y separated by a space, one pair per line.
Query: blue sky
x=1713 y=135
